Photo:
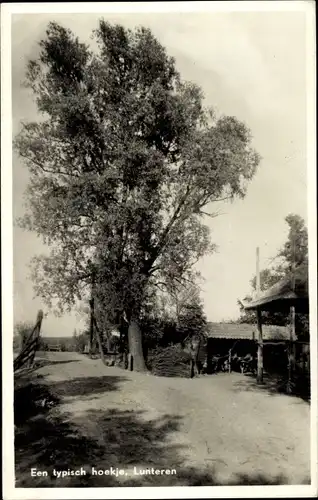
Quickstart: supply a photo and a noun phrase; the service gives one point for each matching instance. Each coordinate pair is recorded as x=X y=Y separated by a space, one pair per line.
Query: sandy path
x=210 y=426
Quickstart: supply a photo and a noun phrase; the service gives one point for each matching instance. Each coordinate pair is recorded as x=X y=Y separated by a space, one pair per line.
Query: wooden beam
x=258 y=276
x=260 y=363
x=291 y=349
x=292 y=328
x=292 y=323
x=30 y=347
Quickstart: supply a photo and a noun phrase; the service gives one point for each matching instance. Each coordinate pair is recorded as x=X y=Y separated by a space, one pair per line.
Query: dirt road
x=212 y=430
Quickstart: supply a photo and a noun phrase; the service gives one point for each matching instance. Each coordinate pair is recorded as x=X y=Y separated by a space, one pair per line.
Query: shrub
x=17 y=341
x=22 y=330
x=80 y=342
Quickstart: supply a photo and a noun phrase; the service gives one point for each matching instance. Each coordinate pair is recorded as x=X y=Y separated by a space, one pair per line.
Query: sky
x=251 y=65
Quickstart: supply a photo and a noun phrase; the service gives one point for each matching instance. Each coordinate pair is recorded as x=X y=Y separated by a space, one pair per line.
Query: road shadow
x=87 y=387
x=258 y=479
x=273 y=385
x=31 y=391
x=41 y=363
x=47 y=439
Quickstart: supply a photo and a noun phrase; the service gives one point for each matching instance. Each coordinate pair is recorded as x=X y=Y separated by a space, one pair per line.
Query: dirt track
x=217 y=429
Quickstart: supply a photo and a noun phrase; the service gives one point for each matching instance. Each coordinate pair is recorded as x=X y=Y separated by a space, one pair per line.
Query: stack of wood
x=170 y=361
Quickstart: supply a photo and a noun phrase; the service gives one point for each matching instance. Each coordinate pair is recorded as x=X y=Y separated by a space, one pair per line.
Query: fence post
x=230 y=361
x=291 y=350
x=260 y=361
x=39 y=319
x=27 y=354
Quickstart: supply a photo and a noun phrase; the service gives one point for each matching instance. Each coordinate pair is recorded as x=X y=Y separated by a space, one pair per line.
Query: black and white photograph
x=159 y=250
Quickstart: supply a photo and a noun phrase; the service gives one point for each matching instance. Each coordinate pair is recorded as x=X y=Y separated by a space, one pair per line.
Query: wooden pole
x=260 y=363
x=37 y=333
x=260 y=368
x=292 y=326
x=27 y=354
x=291 y=349
x=258 y=276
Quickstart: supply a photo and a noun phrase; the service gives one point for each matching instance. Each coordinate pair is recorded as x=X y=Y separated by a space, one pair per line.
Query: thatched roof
x=292 y=290
x=244 y=331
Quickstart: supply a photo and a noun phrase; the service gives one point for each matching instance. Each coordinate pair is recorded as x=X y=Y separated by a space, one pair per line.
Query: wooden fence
x=26 y=357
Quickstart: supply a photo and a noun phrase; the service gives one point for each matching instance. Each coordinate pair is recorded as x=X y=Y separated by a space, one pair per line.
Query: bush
x=17 y=342
x=80 y=341
x=42 y=345
x=23 y=330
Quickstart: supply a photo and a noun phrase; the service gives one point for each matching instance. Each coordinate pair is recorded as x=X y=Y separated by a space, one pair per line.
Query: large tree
x=124 y=161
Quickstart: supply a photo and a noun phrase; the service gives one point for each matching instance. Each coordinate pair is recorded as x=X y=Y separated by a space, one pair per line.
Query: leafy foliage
x=295 y=250
x=192 y=321
x=80 y=341
x=123 y=162
x=22 y=330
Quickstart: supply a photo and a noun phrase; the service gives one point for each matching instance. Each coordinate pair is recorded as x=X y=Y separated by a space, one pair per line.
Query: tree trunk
x=91 y=327
x=99 y=341
x=109 y=342
x=135 y=346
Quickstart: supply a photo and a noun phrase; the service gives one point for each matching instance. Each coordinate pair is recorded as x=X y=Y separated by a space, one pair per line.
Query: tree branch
x=162 y=240
x=71 y=174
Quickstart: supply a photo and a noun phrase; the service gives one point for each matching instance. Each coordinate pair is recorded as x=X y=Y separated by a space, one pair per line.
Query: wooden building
x=289 y=295
x=241 y=339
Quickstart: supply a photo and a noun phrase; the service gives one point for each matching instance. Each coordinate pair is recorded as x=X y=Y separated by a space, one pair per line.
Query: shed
x=245 y=331
x=240 y=338
x=290 y=293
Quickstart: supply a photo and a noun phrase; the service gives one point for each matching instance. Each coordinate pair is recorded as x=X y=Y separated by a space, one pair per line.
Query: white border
x=158 y=7
x=312 y=231
x=11 y=493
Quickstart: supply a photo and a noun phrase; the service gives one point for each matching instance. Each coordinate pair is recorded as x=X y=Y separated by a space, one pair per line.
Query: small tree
x=81 y=341
x=294 y=252
x=192 y=321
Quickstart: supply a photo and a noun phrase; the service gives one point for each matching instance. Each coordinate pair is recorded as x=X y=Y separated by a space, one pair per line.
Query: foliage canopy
x=123 y=162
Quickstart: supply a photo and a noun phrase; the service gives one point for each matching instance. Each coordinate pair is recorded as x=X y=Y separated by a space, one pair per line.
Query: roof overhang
x=287 y=292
